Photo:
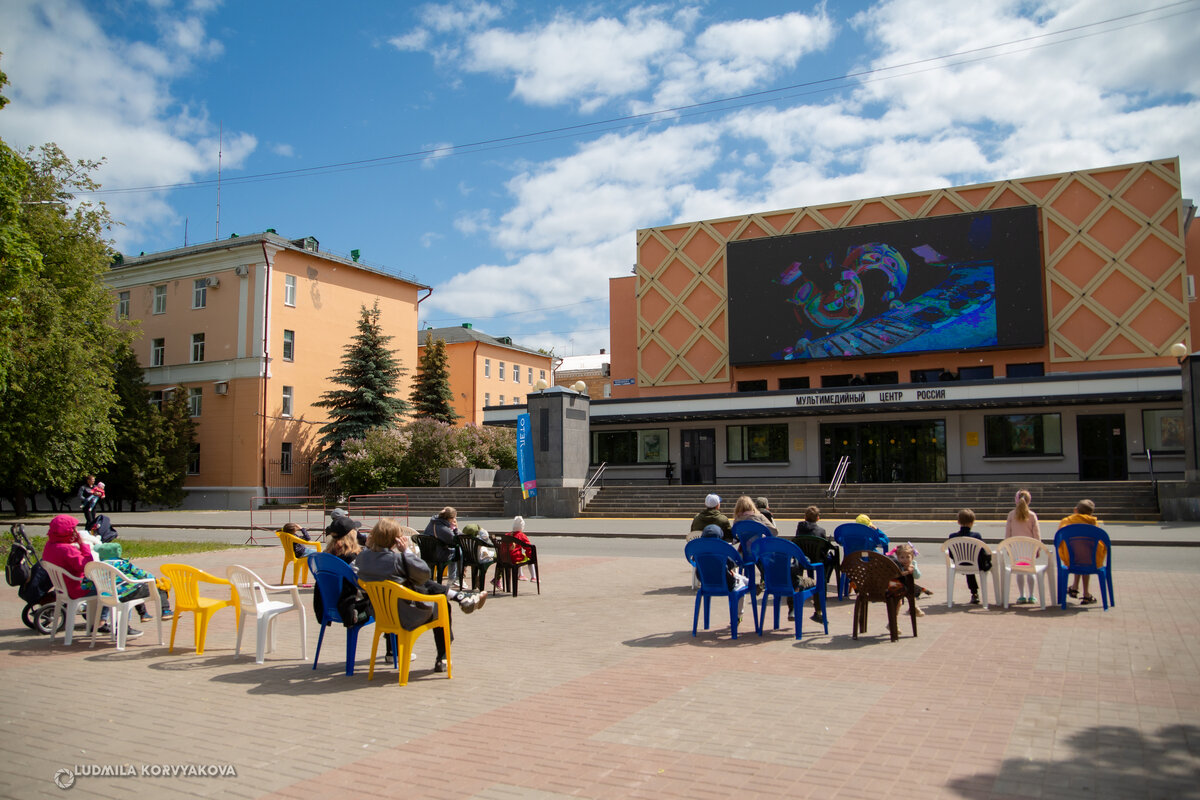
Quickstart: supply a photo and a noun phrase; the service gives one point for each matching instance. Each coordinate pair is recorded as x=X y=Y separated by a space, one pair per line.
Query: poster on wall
x=956 y=282
x=525 y=470
x=1163 y=429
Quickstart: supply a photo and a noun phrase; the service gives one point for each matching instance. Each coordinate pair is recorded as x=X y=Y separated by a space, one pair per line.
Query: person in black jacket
x=443 y=526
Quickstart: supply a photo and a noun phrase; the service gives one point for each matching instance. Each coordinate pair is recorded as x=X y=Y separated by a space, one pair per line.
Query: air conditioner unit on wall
x=212 y=283
x=221 y=387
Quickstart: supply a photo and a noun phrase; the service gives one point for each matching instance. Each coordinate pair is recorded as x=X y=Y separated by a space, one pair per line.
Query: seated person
x=443 y=526
x=390 y=555
x=764 y=508
x=711 y=515
x=300 y=551
x=746 y=509
x=344 y=545
x=64 y=548
x=966 y=520
x=809 y=527
x=340 y=522
x=522 y=554
x=486 y=552
x=1085 y=514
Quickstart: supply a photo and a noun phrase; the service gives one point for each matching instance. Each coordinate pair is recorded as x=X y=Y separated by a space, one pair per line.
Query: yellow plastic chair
x=385 y=597
x=299 y=564
x=185 y=582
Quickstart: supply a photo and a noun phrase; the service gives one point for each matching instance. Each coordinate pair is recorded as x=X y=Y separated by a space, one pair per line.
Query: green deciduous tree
x=370 y=372
x=431 y=396
x=58 y=324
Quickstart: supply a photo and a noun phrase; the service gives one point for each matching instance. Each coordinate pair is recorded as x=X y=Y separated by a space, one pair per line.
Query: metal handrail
x=838 y=476
x=591 y=484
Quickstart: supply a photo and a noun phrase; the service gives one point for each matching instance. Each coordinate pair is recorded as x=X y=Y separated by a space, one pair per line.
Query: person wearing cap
x=340 y=524
x=863 y=519
x=711 y=515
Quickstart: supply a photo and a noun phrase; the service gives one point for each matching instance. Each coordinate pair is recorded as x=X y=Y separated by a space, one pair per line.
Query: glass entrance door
x=1102 y=447
x=698 y=456
x=886 y=452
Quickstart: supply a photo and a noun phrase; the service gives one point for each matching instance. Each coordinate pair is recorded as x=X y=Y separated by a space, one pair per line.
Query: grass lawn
x=138 y=548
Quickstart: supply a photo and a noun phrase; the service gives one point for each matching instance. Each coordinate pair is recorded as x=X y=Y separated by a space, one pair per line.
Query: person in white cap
x=711 y=515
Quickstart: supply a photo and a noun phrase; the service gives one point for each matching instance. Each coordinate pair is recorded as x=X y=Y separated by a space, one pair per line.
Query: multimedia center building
x=1027 y=329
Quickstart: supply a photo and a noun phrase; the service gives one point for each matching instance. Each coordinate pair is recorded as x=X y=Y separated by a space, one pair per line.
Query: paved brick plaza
x=597 y=689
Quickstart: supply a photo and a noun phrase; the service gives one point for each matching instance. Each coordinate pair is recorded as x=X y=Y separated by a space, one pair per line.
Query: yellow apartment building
x=252 y=328
x=487 y=370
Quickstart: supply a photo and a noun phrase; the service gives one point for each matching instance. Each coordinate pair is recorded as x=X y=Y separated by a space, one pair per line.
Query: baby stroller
x=24 y=570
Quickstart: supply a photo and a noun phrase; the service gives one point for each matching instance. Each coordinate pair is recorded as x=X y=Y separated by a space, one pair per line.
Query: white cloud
x=283 y=149
x=99 y=97
x=436 y=152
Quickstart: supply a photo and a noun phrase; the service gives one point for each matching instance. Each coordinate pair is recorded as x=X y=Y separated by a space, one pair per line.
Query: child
x=301 y=551
x=1084 y=513
x=905 y=556
x=966 y=518
x=520 y=554
x=1023 y=522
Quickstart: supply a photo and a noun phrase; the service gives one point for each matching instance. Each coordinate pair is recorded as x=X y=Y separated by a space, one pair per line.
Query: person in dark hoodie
x=443 y=526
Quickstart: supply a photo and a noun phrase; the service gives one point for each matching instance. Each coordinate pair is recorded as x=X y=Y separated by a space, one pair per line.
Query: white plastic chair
x=65 y=606
x=1020 y=555
x=253 y=601
x=962 y=557
x=110 y=584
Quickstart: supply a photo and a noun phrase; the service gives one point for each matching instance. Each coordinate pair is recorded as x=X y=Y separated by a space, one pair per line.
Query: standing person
x=1085 y=513
x=390 y=556
x=711 y=515
x=1023 y=522
x=88 y=498
x=966 y=519
x=443 y=526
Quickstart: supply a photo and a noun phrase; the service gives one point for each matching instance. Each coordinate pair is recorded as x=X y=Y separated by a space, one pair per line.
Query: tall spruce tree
x=370 y=372
x=431 y=396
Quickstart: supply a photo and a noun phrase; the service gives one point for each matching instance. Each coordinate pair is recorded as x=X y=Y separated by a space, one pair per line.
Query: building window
x=501 y=376
x=487 y=398
x=199 y=293
x=197 y=347
x=516 y=399
x=752 y=386
x=885 y=378
x=287 y=401
x=501 y=400
x=1023 y=434
x=542 y=374
x=516 y=373
x=285 y=458
x=487 y=368
x=195 y=396
x=754 y=443
x=160 y=299
x=123 y=305
x=158 y=352
x=156 y=398
x=1034 y=369
x=530 y=371
x=289 y=290
x=289 y=345
x=925 y=375
x=836 y=381
x=792 y=384
x=630 y=447
x=193 y=467
x=983 y=373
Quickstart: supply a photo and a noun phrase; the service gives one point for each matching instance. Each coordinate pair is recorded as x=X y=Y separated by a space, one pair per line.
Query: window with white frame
x=487 y=398
x=285 y=458
x=501 y=373
x=160 y=299
x=289 y=290
x=158 y=352
x=516 y=373
x=288 y=392
x=516 y=399
x=199 y=293
x=501 y=399
x=542 y=374
x=195 y=397
x=197 y=347
x=487 y=368
x=289 y=345
x=530 y=371
x=123 y=305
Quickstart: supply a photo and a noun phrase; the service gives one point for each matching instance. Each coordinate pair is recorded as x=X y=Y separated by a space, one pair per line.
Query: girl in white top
x=1023 y=522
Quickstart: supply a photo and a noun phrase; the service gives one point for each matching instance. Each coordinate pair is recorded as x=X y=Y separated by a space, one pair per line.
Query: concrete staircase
x=424 y=501
x=1116 y=501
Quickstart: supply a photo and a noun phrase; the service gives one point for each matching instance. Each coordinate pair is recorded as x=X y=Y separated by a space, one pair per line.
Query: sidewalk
x=596 y=688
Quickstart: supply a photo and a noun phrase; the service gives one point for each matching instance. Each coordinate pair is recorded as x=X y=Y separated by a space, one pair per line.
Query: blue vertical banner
x=525 y=471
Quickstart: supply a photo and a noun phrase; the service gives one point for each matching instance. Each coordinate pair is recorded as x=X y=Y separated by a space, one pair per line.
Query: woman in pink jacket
x=65 y=549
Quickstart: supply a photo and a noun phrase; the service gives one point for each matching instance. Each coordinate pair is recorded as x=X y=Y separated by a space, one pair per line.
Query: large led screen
x=957 y=282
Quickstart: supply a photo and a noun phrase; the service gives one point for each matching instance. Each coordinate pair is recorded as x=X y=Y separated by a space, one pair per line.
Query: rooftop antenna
x=185 y=224
x=220 y=142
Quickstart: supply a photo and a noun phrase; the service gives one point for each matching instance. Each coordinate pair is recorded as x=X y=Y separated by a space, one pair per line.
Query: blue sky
x=521 y=235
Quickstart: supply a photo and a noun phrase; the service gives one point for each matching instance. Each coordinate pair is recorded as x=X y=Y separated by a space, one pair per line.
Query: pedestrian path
x=596 y=688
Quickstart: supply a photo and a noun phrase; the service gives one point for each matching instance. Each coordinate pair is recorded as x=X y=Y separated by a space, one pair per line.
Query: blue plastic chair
x=775 y=558
x=1082 y=549
x=711 y=559
x=329 y=574
x=853 y=537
